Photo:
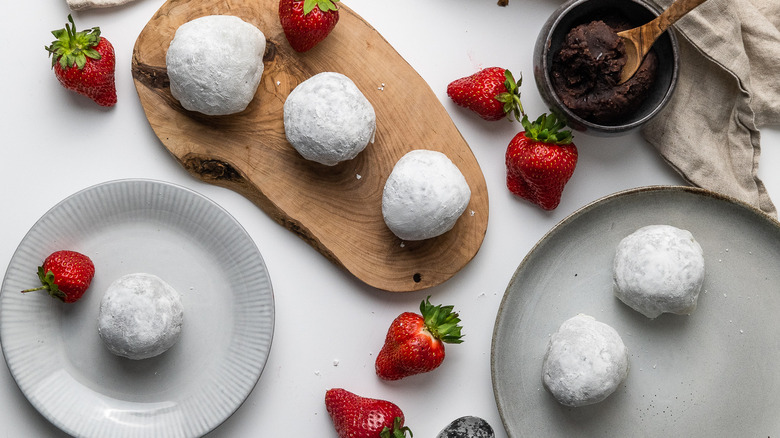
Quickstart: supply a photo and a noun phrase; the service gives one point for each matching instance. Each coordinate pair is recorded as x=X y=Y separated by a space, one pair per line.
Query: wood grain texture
x=337 y=210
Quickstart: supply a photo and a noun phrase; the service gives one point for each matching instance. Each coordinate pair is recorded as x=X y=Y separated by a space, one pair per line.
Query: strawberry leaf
x=511 y=98
x=397 y=431
x=71 y=47
x=547 y=129
x=442 y=322
x=324 y=5
x=47 y=284
x=92 y=54
x=308 y=6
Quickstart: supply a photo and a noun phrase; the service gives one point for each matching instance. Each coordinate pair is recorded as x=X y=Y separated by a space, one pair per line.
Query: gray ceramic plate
x=712 y=373
x=53 y=349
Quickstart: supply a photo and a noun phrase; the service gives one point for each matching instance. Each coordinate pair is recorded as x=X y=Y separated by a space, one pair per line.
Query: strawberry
x=415 y=342
x=65 y=275
x=360 y=417
x=84 y=62
x=307 y=22
x=492 y=93
x=540 y=161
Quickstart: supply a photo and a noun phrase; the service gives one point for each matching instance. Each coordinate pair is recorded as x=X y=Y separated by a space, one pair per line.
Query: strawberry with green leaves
x=491 y=92
x=307 y=22
x=361 y=417
x=415 y=342
x=65 y=275
x=84 y=62
x=540 y=161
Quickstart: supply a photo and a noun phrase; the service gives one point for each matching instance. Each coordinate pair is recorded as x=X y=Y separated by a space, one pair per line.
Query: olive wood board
x=336 y=209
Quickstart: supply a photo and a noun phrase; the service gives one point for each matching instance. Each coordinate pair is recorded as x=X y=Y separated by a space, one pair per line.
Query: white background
x=329 y=326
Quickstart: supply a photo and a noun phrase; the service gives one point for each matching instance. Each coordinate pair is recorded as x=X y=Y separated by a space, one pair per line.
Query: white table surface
x=329 y=326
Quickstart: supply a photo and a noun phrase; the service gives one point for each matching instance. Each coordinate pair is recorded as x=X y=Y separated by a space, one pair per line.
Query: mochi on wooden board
x=327 y=119
x=424 y=195
x=215 y=64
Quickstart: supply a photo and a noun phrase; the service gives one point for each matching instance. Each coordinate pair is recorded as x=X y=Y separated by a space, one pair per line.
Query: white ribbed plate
x=56 y=356
x=713 y=373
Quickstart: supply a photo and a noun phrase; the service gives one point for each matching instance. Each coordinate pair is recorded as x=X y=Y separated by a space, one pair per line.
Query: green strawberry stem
x=47 y=281
x=511 y=97
x=442 y=322
x=47 y=284
x=397 y=431
x=324 y=5
x=73 y=48
x=547 y=129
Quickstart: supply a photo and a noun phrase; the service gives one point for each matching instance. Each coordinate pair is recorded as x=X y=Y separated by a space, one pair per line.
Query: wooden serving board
x=337 y=210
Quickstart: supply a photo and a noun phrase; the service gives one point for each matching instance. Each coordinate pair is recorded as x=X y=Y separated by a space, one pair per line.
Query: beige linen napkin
x=728 y=87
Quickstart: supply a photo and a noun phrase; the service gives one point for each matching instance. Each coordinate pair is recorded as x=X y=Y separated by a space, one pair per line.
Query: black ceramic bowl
x=575 y=12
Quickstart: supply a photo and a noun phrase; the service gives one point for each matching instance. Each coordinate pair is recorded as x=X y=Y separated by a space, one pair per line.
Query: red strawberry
x=84 y=62
x=360 y=417
x=65 y=275
x=540 y=161
x=415 y=343
x=307 y=22
x=492 y=93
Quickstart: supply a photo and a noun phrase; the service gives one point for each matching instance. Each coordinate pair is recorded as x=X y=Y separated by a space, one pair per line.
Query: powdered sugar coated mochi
x=585 y=362
x=215 y=64
x=77 y=5
x=424 y=195
x=140 y=316
x=659 y=269
x=328 y=120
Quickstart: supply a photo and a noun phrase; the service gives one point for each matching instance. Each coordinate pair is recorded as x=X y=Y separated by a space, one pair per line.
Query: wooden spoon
x=639 y=39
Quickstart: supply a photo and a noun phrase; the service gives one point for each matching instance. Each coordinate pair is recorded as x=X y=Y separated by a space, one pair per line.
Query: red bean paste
x=586 y=71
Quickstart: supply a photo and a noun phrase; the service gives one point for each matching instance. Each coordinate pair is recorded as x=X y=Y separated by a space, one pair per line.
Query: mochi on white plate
x=140 y=316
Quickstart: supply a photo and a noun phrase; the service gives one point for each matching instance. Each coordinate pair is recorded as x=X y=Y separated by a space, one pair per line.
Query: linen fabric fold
x=728 y=88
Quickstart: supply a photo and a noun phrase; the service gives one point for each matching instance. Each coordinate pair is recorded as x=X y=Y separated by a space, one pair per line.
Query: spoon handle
x=673 y=13
x=639 y=39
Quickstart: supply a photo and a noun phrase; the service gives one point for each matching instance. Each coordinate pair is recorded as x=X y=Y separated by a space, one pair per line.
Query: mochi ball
x=424 y=195
x=140 y=316
x=328 y=120
x=585 y=362
x=215 y=64
x=659 y=269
